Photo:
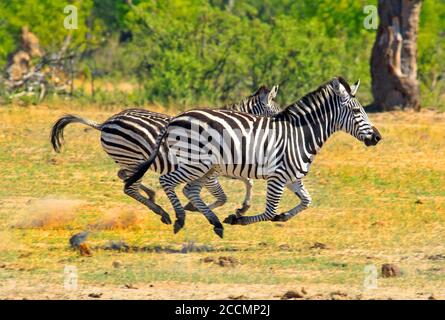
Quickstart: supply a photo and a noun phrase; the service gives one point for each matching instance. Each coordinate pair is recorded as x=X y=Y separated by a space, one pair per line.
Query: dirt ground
x=17 y=289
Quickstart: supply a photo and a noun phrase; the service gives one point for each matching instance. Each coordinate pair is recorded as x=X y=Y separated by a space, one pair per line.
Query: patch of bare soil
x=223 y=261
x=118 y=219
x=47 y=213
x=20 y=289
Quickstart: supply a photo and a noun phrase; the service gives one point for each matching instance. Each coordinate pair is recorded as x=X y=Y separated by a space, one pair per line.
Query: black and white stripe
x=129 y=138
x=279 y=149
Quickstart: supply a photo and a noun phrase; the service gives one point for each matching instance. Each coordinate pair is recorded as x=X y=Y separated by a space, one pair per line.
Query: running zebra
x=279 y=149
x=129 y=137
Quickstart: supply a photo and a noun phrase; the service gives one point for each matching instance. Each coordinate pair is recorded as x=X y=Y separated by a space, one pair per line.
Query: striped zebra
x=279 y=149
x=129 y=137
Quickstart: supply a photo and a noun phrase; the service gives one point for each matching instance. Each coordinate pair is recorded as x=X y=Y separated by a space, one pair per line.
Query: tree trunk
x=394 y=56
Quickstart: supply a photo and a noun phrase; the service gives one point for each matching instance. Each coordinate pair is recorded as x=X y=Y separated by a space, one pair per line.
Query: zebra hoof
x=179 y=224
x=219 y=231
x=166 y=219
x=231 y=219
x=190 y=207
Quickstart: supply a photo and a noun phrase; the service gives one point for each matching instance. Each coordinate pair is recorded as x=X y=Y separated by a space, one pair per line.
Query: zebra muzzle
x=375 y=138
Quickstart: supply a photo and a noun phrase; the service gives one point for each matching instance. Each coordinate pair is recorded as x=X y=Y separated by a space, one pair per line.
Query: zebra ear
x=339 y=89
x=354 y=87
x=273 y=92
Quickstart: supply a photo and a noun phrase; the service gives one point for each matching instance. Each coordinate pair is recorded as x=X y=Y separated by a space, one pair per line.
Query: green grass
x=365 y=209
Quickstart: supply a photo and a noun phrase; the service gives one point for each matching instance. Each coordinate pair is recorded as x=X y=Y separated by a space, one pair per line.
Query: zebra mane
x=260 y=89
x=296 y=107
x=255 y=104
x=345 y=84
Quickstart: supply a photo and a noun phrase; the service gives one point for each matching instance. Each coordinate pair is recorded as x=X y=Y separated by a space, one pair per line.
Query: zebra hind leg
x=124 y=174
x=133 y=192
x=150 y=192
x=193 y=192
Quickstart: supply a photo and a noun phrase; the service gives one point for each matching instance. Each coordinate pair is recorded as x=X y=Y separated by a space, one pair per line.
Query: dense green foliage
x=197 y=51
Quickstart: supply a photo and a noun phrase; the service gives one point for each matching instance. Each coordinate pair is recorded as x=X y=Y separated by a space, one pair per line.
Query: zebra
x=129 y=136
x=288 y=142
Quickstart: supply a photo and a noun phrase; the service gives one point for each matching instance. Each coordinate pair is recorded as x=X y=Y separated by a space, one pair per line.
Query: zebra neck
x=314 y=125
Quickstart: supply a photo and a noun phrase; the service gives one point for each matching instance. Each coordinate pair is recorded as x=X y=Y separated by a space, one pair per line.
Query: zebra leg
x=124 y=173
x=150 y=192
x=212 y=184
x=210 y=181
x=248 y=197
x=190 y=207
x=170 y=180
x=193 y=192
x=133 y=192
x=275 y=188
x=169 y=187
x=299 y=189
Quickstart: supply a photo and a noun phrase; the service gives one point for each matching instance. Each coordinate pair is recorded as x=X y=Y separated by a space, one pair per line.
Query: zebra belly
x=250 y=171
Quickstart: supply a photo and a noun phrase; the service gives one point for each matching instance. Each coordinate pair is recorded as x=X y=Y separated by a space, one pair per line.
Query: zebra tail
x=57 y=129
x=144 y=166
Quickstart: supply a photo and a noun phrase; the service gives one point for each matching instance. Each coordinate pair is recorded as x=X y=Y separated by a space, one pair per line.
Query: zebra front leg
x=193 y=192
x=183 y=174
x=299 y=189
x=190 y=207
x=275 y=188
x=210 y=181
x=133 y=191
x=248 y=197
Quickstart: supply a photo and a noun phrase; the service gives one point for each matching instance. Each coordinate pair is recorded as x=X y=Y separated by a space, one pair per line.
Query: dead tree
x=394 y=56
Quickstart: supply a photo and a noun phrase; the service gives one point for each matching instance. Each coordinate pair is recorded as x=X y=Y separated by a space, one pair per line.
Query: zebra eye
x=355 y=108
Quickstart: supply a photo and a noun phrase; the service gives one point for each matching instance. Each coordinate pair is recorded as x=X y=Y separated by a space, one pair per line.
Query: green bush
x=197 y=52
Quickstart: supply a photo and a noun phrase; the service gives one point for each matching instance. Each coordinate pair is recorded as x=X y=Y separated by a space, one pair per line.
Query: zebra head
x=260 y=103
x=266 y=98
x=352 y=116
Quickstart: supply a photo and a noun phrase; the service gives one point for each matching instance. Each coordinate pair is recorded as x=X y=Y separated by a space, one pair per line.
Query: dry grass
x=370 y=206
